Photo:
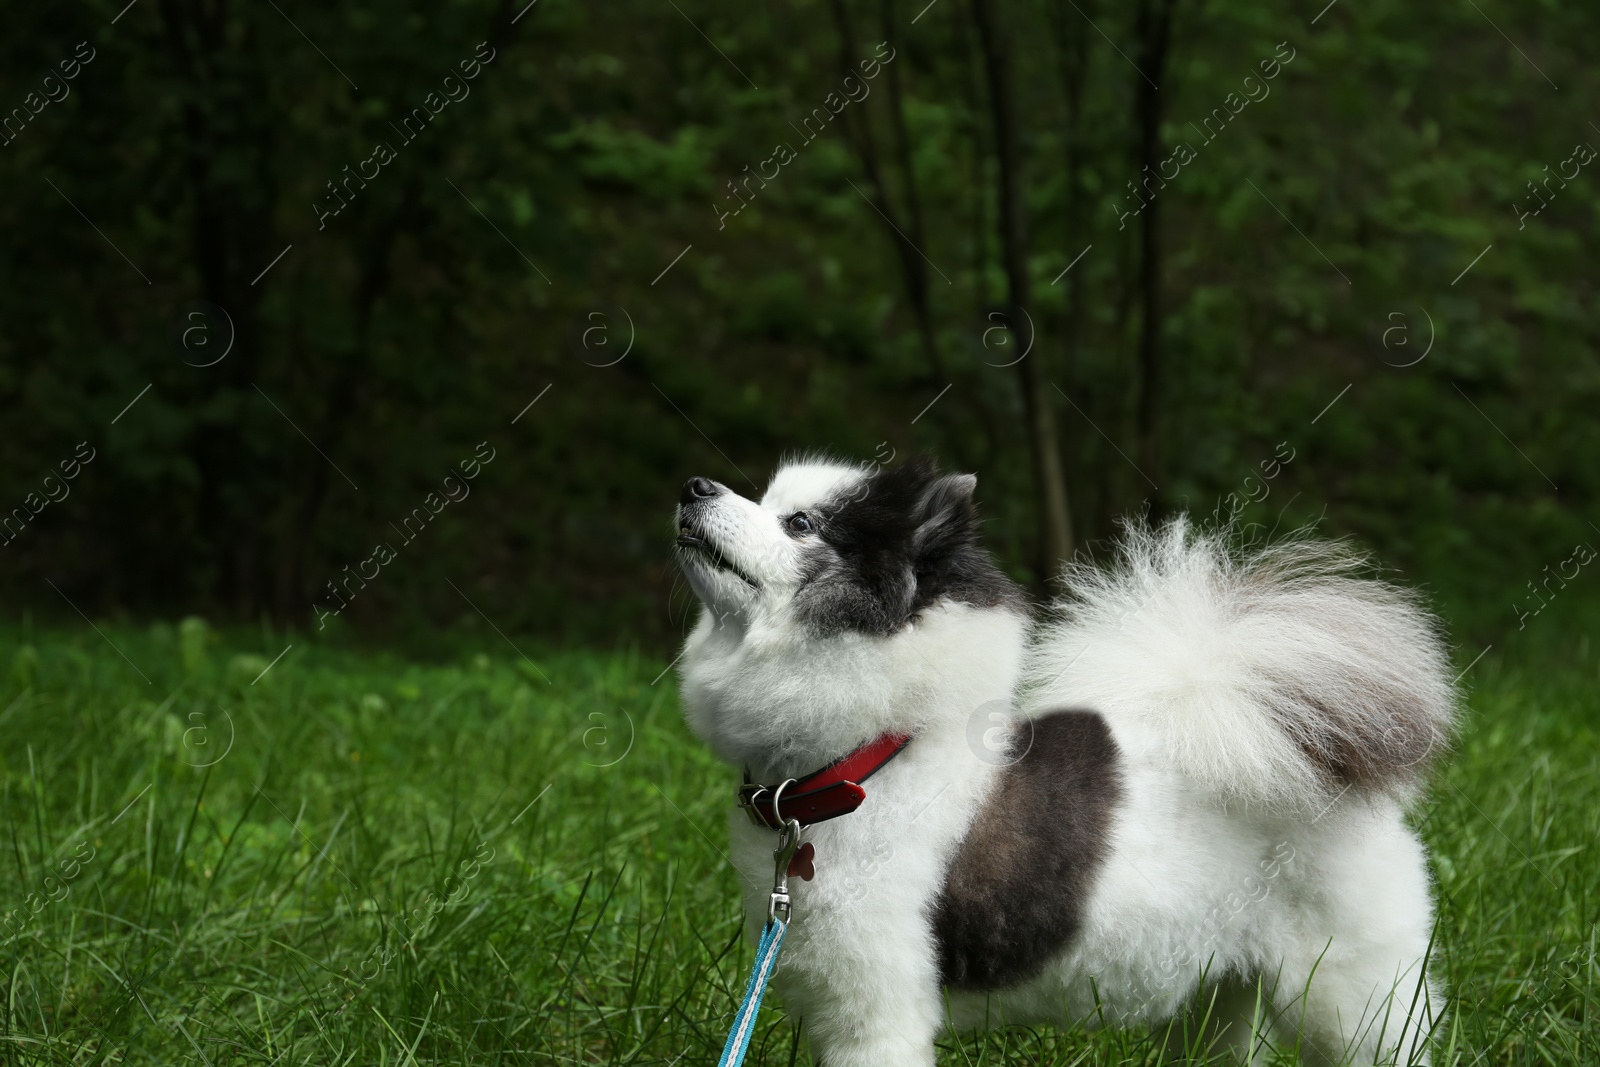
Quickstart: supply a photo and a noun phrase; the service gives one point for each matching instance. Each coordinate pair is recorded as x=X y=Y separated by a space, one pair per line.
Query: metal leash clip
x=788 y=845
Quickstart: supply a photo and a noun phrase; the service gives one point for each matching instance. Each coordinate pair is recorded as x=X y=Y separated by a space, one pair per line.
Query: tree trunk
x=1072 y=54
x=906 y=225
x=1055 y=524
x=230 y=230
x=1155 y=29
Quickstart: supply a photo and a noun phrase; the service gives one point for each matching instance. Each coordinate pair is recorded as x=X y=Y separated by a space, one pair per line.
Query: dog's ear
x=946 y=518
x=949 y=558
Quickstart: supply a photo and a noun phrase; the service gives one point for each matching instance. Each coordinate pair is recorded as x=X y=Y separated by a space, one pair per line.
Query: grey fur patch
x=1390 y=744
x=1014 y=894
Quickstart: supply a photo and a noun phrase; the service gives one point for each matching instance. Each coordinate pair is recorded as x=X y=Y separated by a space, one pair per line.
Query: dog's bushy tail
x=1279 y=675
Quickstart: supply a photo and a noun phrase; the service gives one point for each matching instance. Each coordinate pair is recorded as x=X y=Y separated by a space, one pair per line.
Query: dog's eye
x=799 y=523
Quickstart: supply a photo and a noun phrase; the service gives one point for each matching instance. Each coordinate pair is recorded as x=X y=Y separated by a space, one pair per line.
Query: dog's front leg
x=858 y=964
x=868 y=992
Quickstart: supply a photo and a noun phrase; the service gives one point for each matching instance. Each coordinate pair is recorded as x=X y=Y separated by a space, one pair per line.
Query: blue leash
x=744 y=1020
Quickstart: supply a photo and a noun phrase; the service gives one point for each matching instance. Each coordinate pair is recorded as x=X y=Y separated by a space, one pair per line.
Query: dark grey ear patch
x=947 y=503
x=899 y=540
x=1014 y=895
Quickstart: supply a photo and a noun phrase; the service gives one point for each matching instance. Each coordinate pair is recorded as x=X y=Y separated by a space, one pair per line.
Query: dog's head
x=850 y=601
x=834 y=549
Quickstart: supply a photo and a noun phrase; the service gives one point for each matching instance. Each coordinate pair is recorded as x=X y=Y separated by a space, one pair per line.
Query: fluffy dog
x=1180 y=795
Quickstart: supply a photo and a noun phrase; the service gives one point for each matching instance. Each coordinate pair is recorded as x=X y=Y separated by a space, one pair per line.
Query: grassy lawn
x=355 y=858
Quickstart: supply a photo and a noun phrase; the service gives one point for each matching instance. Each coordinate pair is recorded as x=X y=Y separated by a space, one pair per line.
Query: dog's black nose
x=697 y=489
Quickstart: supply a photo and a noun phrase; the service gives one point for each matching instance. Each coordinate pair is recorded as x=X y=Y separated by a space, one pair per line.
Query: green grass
x=276 y=905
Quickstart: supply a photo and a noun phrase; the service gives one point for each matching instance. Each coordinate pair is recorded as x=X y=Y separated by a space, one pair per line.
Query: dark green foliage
x=600 y=143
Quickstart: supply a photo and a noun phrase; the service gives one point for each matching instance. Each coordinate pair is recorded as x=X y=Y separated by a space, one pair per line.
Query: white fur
x=1232 y=861
x=1216 y=655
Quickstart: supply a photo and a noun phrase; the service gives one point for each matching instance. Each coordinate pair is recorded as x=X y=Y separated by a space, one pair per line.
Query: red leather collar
x=823 y=794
